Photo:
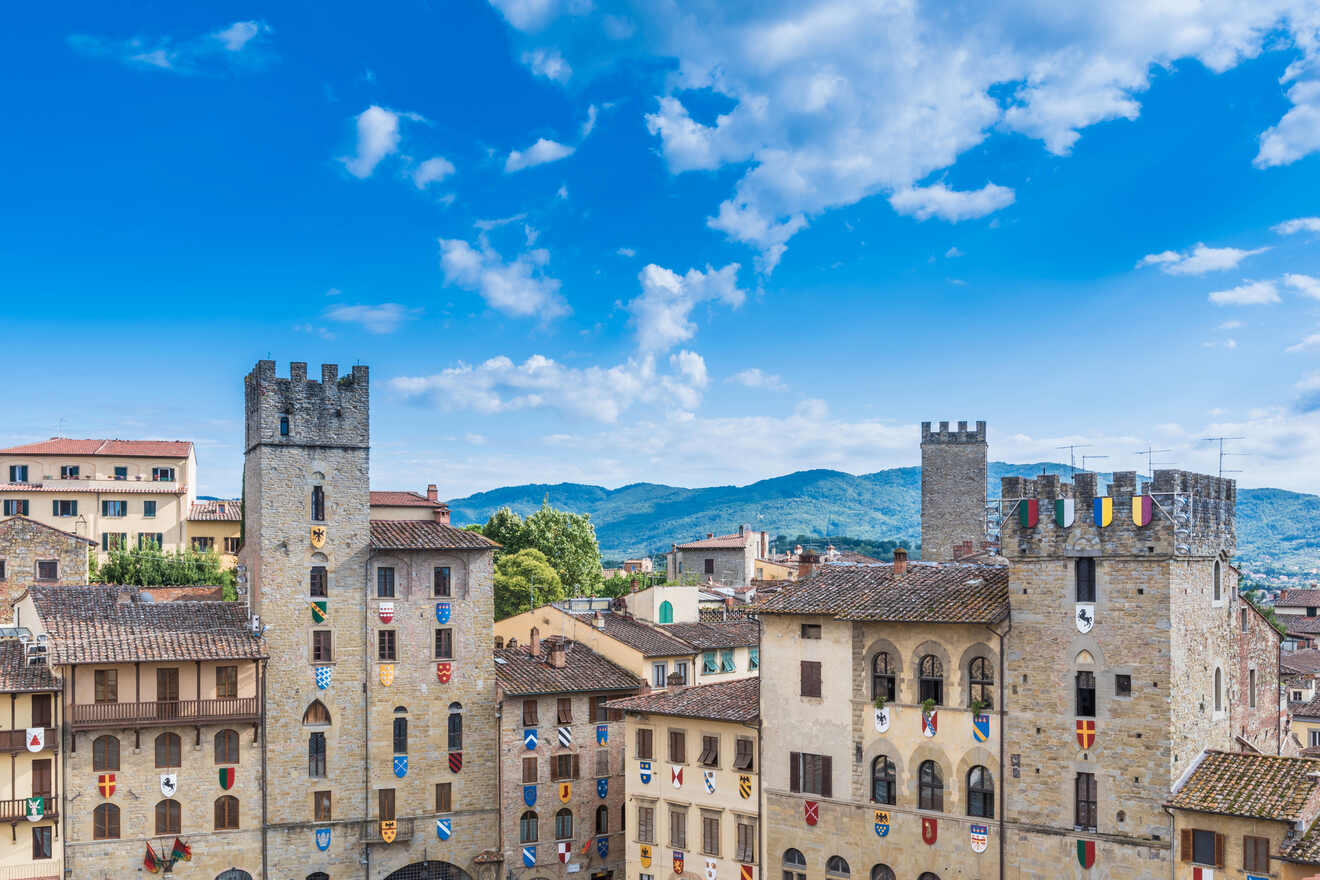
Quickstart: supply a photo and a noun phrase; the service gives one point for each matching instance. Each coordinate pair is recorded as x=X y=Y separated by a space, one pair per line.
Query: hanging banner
x=443 y=611
x=930 y=830
x=882 y=719
x=1085 y=734
x=386 y=611
x=323 y=839
x=811 y=812
x=981 y=727
x=36 y=739
x=980 y=836
x=1085 y=616
x=644 y=771
x=1086 y=853
x=444 y=828
x=929 y=723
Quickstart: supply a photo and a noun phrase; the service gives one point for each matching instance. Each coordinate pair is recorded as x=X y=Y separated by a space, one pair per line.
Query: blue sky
x=616 y=242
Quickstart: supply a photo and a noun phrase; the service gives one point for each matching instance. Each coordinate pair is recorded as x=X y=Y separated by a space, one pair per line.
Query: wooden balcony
x=46 y=869
x=165 y=713
x=371 y=830
x=16 y=741
x=15 y=810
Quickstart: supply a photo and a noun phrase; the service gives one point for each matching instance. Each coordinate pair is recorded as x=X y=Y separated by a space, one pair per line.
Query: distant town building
x=724 y=559
x=34 y=553
x=216 y=525
x=953 y=489
x=410 y=505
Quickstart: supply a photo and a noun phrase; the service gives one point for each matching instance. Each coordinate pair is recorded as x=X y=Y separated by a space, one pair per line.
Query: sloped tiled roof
x=191 y=594
x=89 y=624
x=17 y=677
x=927 y=592
x=1306 y=662
x=738 y=701
x=424 y=534
x=402 y=499
x=1299 y=623
x=1298 y=597
x=51 y=529
x=1307 y=710
x=218 y=510
x=708 y=636
x=1307 y=848
x=650 y=640
x=122 y=488
x=122 y=448
x=520 y=674
x=718 y=542
x=1252 y=786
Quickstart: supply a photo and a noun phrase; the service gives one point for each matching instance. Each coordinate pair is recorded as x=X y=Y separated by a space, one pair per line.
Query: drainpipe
x=1173 y=842
x=1003 y=771
x=265 y=871
x=366 y=714
x=760 y=772
x=1278 y=681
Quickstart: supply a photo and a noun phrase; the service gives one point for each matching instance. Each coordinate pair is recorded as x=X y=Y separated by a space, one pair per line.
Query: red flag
x=151 y=861
x=181 y=851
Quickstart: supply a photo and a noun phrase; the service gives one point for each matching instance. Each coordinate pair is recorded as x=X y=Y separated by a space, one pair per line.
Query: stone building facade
x=722 y=559
x=35 y=787
x=953 y=474
x=35 y=553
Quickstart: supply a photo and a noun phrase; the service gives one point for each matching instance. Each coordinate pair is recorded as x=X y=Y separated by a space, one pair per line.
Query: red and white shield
x=930 y=829
x=386 y=611
x=811 y=812
x=444 y=671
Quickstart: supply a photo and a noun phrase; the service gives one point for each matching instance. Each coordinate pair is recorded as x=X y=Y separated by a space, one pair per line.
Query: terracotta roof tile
x=928 y=592
x=1298 y=598
x=718 y=542
x=738 y=701
x=117 y=489
x=16 y=676
x=648 y=639
x=1298 y=623
x=423 y=534
x=403 y=499
x=50 y=529
x=1252 y=786
x=709 y=635
x=1307 y=710
x=521 y=674
x=1306 y=662
x=1307 y=848
x=91 y=625
x=121 y=448
x=221 y=510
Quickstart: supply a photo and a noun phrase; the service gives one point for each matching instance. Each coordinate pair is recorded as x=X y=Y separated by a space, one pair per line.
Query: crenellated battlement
x=962 y=434
x=1190 y=514
x=333 y=411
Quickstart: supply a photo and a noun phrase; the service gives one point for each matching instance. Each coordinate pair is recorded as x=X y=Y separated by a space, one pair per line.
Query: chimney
x=558 y=656
x=432 y=494
x=598 y=620
x=807 y=563
x=534 y=642
x=674 y=683
x=744 y=529
x=442 y=513
x=126 y=596
x=710 y=535
x=900 y=561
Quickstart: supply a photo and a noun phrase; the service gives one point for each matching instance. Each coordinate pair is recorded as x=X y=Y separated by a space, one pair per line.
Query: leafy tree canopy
x=524 y=580
x=151 y=567
x=566 y=540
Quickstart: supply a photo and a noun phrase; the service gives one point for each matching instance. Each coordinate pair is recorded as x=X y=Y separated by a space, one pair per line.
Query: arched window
x=564 y=824
x=319 y=875
x=528 y=827
x=226 y=747
x=168 y=817
x=226 y=813
x=602 y=820
x=455 y=726
x=1084 y=571
x=882 y=780
x=1219 y=582
x=1086 y=694
x=795 y=865
x=837 y=866
x=980 y=793
x=316 y=713
x=400 y=736
x=1219 y=690
x=981 y=674
x=105 y=822
x=930 y=787
x=168 y=750
x=318 y=504
x=105 y=753
x=882 y=678
x=932 y=680
x=666 y=612
x=882 y=872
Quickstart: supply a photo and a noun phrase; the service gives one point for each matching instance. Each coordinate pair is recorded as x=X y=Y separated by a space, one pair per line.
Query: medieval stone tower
x=306 y=503
x=953 y=472
x=1118 y=663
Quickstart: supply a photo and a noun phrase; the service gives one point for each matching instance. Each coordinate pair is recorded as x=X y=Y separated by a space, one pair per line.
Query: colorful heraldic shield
x=881 y=823
x=386 y=611
x=929 y=723
x=318 y=537
x=811 y=812
x=930 y=830
x=603 y=846
x=105 y=784
x=565 y=736
x=323 y=677
x=644 y=771
x=455 y=762
x=981 y=727
x=323 y=839
x=1203 y=874
x=400 y=766
x=711 y=869
x=882 y=719
x=445 y=671
x=169 y=784
x=678 y=861
x=744 y=872
x=320 y=611
x=227 y=778
x=1086 y=853
x=1085 y=617
x=1028 y=513
x=530 y=738
x=387 y=674
x=389 y=829
x=603 y=787
x=645 y=855
x=744 y=786
x=708 y=779
x=529 y=795
x=1104 y=511
x=565 y=850
x=443 y=611
x=676 y=776
x=565 y=791
x=529 y=856
x=980 y=835
x=444 y=828
x=602 y=734
x=35 y=739
x=1065 y=512
x=35 y=808
x=1085 y=733
x=1143 y=508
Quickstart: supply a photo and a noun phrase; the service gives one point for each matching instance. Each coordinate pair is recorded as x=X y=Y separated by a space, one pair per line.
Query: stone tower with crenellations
x=953 y=473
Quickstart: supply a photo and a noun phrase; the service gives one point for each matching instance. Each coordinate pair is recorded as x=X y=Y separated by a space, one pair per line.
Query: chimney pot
x=442 y=514
x=558 y=656
x=900 y=561
x=534 y=642
x=598 y=620
x=432 y=493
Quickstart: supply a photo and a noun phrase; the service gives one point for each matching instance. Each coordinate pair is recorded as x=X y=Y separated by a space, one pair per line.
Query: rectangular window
x=810 y=678
x=645 y=824
x=530 y=717
x=529 y=771
x=232 y=545
x=644 y=743
x=385 y=802
x=162 y=474
x=150 y=540
x=1084 y=811
x=114 y=508
x=678 y=828
x=149 y=509
x=2 y=569
x=564 y=710
x=710 y=751
x=48 y=570
x=811 y=630
x=226 y=682
x=677 y=747
x=41 y=842
x=284 y=426
x=64 y=508
x=708 y=663
x=121 y=472
x=710 y=834
x=114 y=540
x=743 y=753
x=1243 y=617
x=386 y=645
x=41 y=714
x=1203 y=847
x=385 y=582
x=69 y=471
x=318 y=504
x=444 y=797
x=41 y=778
x=810 y=774
x=602 y=762
x=564 y=767
x=745 y=846
x=444 y=644
x=321 y=806
x=1084 y=571
x=1251 y=688
x=659 y=674
x=106 y=685
x=710 y=566
x=1123 y=685
x=1086 y=694
x=726 y=660
x=441 y=582
x=753 y=658
x=1256 y=853
x=318 y=582
x=322 y=649
x=681 y=671
x=599 y=713
x=18 y=473
x=16 y=507
x=400 y=736
x=203 y=543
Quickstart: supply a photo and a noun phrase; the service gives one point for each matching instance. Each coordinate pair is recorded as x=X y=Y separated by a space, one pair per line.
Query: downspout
x=760 y=748
x=1173 y=842
x=1278 y=682
x=1003 y=778
x=265 y=824
x=366 y=714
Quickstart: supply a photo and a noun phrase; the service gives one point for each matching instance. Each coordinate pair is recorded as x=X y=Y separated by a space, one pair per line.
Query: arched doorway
x=233 y=874
x=430 y=871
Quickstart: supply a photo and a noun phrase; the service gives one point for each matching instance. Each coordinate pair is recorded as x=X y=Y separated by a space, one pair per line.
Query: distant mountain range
x=1277 y=534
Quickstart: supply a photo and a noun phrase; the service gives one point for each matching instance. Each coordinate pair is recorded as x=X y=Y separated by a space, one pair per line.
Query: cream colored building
x=216 y=525
x=34 y=786
x=409 y=505
x=693 y=782
x=113 y=492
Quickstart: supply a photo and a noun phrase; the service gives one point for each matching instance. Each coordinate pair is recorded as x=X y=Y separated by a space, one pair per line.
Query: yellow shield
x=646 y=856
x=318 y=537
x=565 y=791
x=745 y=786
x=388 y=829
x=387 y=674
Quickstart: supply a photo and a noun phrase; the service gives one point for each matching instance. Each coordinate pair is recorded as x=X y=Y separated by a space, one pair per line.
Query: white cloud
x=1252 y=293
x=1297 y=134
x=1303 y=284
x=1310 y=343
x=590 y=125
x=377 y=137
x=548 y=63
x=433 y=170
x=518 y=287
x=562 y=193
x=1299 y=224
x=754 y=377
x=381 y=319
x=1228 y=343
x=237 y=46
x=1199 y=260
x=952 y=252
x=539 y=153
x=1229 y=325
x=662 y=313
x=952 y=205
x=832 y=102
x=239 y=34
x=626 y=252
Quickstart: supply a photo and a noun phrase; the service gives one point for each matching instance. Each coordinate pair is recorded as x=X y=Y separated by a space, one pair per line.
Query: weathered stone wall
x=953 y=470
x=23 y=541
x=1257 y=646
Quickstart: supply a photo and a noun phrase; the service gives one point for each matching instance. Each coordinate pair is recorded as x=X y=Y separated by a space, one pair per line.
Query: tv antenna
x=1072 y=459
x=1223 y=454
x=1086 y=458
x=1150 y=457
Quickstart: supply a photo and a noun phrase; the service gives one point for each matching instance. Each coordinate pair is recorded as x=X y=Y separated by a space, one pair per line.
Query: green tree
x=523 y=578
x=150 y=567
x=567 y=541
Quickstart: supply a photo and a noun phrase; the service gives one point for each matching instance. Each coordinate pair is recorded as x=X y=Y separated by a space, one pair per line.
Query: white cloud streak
x=1299 y=224
x=433 y=170
x=1252 y=293
x=539 y=153
x=379 y=319
x=519 y=287
x=754 y=377
x=952 y=205
x=1199 y=260
x=237 y=46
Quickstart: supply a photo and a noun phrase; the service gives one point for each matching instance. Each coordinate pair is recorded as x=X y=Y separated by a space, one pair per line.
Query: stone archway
x=430 y=871
x=234 y=874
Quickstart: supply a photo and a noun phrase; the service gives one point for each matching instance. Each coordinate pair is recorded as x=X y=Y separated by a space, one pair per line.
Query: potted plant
x=880 y=702
x=927 y=705
x=978 y=706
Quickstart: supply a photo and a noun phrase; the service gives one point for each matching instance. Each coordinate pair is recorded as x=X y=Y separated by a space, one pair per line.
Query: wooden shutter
x=575 y=766
x=826 y=777
x=1219 y=850
x=794 y=771
x=1185 y=845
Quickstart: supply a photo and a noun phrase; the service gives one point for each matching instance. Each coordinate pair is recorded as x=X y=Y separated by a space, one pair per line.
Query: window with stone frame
x=444 y=797
x=318 y=582
x=883 y=679
x=444 y=644
x=564 y=710
x=677 y=747
x=105 y=822
x=981 y=675
x=316 y=755
x=400 y=736
x=744 y=847
x=455 y=726
x=385 y=803
x=564 y=824
x=321 y=806
x=226 y=747
x=48 y=570
x=602 y=819
x=645 y=823
x=810 y=774
x=602 y=762
x=980 y=793
x=105 y=753
x=930 y=787
x=744 y=753
x=440 y=582
x=387 y=647
x=563 y=767
x=710 y=833
x=168 y=750
x=930 y=680
x=1084 y=577
x=810 y=678
x=1085 y=687
x=529 y=713
x=710 y=751
x=678 y=827
x=529 y=770
x=169 y=817
x=226 y=813
x=645 y=737
x=318 y=504
x=529 y=827
x=883 y=782
x=322 y=646
x=385 y=582
x=1085 y=809
x=795 y=865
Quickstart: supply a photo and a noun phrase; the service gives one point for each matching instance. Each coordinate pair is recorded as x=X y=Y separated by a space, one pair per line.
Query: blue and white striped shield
x=529 y=856
x=443 y=828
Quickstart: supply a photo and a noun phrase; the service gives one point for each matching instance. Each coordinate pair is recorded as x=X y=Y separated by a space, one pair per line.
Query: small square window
x=121 y=473
x=811 y=630
x=1123 y=685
